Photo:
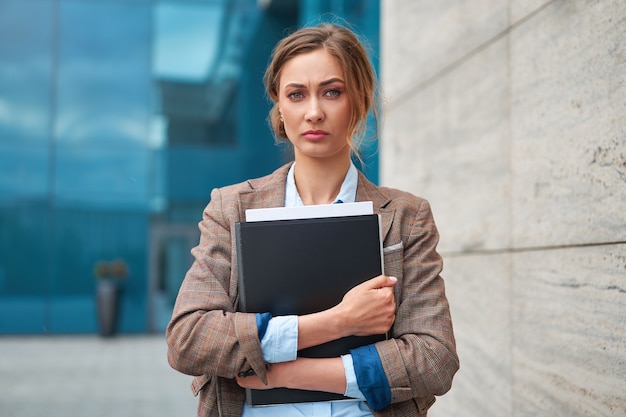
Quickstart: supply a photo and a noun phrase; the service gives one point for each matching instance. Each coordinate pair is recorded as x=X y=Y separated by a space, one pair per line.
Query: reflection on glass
x=25 y=70
x=23 y=173
x=198 y=59
x=108 y=177
x=104 y=92
x=186 y=41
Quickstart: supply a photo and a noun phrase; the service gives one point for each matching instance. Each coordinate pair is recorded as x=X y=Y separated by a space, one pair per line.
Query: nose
x=314 y=112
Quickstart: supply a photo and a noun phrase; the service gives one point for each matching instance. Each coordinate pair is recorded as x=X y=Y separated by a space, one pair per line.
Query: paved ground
x=88 y=376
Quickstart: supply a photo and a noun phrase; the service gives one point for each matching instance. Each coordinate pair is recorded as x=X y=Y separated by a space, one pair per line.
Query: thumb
x=382 y=281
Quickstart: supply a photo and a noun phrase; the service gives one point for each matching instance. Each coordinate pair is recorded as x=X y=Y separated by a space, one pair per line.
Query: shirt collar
x=347 y=193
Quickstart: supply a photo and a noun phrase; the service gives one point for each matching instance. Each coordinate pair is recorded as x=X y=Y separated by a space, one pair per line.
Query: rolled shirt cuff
x=371 y=377
x=352 y=387
x=262 y=320
x=280 y=341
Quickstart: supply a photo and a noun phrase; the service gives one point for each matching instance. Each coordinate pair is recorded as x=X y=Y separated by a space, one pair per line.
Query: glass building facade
x=117 y=118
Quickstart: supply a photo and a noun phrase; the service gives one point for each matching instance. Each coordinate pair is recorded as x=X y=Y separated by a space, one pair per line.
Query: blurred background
x=117 y=118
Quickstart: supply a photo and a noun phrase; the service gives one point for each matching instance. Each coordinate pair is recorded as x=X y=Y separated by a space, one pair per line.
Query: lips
x=315 y=134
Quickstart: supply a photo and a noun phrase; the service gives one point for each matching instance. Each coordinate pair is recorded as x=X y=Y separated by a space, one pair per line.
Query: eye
x=333 y=92
x=296 y=95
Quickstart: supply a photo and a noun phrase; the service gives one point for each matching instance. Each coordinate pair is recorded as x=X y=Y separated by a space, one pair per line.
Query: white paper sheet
x=307 y=212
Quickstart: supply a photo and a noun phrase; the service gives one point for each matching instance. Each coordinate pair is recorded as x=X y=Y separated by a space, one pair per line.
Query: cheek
x=289 y=123
x=289 y=117
x=287 y=120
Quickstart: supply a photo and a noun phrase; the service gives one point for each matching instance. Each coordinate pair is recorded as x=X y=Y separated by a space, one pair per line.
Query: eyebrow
x=322 y=84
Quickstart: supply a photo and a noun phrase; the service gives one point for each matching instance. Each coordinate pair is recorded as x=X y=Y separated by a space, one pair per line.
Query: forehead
x=311 y=68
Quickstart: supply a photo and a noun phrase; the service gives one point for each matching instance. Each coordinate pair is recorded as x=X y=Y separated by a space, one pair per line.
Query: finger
x=392 y=281
x=382 y=281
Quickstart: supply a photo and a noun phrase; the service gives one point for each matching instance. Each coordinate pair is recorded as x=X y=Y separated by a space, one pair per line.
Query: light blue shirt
x=280 y=341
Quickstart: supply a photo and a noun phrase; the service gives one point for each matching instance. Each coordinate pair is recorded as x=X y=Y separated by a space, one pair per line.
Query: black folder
x=303 y=266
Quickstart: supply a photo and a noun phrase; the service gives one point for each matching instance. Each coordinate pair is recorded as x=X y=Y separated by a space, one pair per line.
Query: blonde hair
x=344 y=46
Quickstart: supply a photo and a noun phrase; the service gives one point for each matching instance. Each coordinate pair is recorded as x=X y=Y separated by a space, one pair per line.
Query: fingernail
x=394 y=279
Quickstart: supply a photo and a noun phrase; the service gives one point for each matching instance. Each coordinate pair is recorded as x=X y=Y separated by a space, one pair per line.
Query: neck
x=319 y=182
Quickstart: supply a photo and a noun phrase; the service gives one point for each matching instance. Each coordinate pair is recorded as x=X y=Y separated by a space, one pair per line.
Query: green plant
x=116 y=269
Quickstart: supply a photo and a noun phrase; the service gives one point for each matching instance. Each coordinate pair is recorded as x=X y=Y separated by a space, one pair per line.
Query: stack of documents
x=302 y=260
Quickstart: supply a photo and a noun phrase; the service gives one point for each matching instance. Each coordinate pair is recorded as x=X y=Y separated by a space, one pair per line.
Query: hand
x=274 y=374
x=369 y=308
x=253 y=381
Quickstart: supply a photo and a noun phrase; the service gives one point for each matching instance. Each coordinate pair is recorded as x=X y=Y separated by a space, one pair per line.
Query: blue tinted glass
x=24 y=255
x=186 y=40
x=23 y=172
x=81 y=239
x=25 y=69
x=23 y=251
x=105 y=177
x=104 y=88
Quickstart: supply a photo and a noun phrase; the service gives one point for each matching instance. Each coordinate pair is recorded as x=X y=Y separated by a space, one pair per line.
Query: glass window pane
x=105 y=177
x=24 y=254
x=26 y=39
x=104 y=88
x=23 y=172
x=83 y=238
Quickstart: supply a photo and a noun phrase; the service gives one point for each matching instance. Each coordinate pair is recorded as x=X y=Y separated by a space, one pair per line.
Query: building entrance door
x=169 y=260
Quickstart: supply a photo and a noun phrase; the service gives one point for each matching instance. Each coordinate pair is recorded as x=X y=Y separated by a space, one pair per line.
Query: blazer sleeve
x=420 y=358
x=206 y=335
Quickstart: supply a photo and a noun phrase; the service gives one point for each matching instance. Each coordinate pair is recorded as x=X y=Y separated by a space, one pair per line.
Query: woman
x=323 y=86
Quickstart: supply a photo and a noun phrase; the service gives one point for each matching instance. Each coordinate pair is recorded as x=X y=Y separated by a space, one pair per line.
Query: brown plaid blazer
x=209 y=339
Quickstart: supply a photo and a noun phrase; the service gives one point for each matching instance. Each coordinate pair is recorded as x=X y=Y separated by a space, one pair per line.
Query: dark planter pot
x=107 y=300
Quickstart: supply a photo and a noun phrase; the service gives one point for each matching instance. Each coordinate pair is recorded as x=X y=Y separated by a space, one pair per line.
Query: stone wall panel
x=479 y=291
x=568 y=106
x=569 y=319
x=421 y=38
x=450 y=144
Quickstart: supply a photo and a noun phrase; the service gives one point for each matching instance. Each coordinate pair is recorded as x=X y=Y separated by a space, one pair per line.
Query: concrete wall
x=509 y=116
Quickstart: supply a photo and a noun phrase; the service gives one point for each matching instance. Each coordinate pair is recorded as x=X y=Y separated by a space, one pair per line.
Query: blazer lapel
x=265 y=192
x=367 y=191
